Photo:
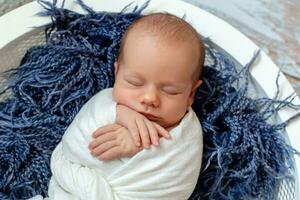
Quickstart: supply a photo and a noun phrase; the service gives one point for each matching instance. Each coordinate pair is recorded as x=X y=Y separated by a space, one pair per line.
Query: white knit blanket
x=167 y=172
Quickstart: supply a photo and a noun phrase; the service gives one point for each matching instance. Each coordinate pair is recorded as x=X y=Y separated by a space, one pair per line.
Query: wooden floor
x=273 y=25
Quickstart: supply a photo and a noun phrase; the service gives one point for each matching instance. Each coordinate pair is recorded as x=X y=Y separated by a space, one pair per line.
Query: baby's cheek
x=174 y=111
x=123 y=96
x=118 y=93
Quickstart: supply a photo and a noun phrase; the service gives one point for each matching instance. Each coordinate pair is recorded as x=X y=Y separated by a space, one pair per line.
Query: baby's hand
x=140 y=127
x=111 y=142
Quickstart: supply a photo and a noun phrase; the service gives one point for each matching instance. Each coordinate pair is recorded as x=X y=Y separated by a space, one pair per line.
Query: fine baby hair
x=245 y=154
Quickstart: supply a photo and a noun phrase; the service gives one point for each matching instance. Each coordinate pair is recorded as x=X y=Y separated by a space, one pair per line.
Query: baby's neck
x=169 y=128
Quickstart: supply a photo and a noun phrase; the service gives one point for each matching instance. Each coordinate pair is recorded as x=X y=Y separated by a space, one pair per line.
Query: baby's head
x=159 y=68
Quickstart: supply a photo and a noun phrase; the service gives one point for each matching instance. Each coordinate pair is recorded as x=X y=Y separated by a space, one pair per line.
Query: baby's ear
x=116 y=65
x=193 y=92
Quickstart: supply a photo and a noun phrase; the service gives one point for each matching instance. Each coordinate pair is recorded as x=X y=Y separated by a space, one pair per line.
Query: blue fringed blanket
x=244 y=155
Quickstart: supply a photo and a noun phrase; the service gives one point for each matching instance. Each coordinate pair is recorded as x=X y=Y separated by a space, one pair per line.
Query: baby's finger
x=143 y=132
x=111 y=154
x=103 y=148
x=133 y=129
x=161 y=131
x=102 y=139
x=104 y=129
x=153 y=132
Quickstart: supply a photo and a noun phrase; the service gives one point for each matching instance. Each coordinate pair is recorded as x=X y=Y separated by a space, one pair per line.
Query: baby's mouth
x=150 y=117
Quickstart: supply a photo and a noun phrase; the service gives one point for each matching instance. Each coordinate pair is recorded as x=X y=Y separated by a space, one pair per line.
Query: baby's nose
x=150 y=97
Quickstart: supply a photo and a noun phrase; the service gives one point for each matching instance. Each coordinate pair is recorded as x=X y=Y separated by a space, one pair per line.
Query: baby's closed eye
x=134 y=82
x=171 y=91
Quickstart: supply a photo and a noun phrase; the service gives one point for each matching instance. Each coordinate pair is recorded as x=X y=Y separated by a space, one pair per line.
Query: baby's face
x=155 y=78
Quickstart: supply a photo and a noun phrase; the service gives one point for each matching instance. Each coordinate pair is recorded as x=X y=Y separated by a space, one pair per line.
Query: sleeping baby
x=140 y=139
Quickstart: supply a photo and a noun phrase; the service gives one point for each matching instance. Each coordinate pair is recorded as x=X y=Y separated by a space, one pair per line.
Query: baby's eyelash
x=171 y=93
x=134 y=83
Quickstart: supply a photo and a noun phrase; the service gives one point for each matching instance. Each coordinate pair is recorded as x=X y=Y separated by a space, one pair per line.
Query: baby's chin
x=170 y=127
x=167 y=126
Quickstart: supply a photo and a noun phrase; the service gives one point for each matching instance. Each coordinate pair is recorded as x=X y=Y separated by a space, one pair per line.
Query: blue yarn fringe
x=245 y=156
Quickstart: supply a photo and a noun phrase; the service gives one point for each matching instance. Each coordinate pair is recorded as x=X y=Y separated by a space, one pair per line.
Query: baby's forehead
x=169 y=31
x=164 y=38
x=164 y=26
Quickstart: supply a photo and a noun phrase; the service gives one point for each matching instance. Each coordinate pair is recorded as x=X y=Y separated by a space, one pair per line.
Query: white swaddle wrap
x=167 y=172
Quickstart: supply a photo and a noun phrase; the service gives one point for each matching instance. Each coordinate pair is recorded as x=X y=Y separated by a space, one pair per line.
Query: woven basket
x=18 y=34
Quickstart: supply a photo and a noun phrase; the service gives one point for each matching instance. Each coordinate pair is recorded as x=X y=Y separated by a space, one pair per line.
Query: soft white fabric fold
x=167 y=172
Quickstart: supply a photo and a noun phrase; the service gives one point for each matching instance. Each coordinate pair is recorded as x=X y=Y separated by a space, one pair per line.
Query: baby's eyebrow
x=132 y=75
x=164 y=84
x=173 y=85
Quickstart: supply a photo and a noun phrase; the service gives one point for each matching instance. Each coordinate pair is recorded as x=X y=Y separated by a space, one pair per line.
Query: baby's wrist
x=123 y=108
x=118 y=112
x=122 y=113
